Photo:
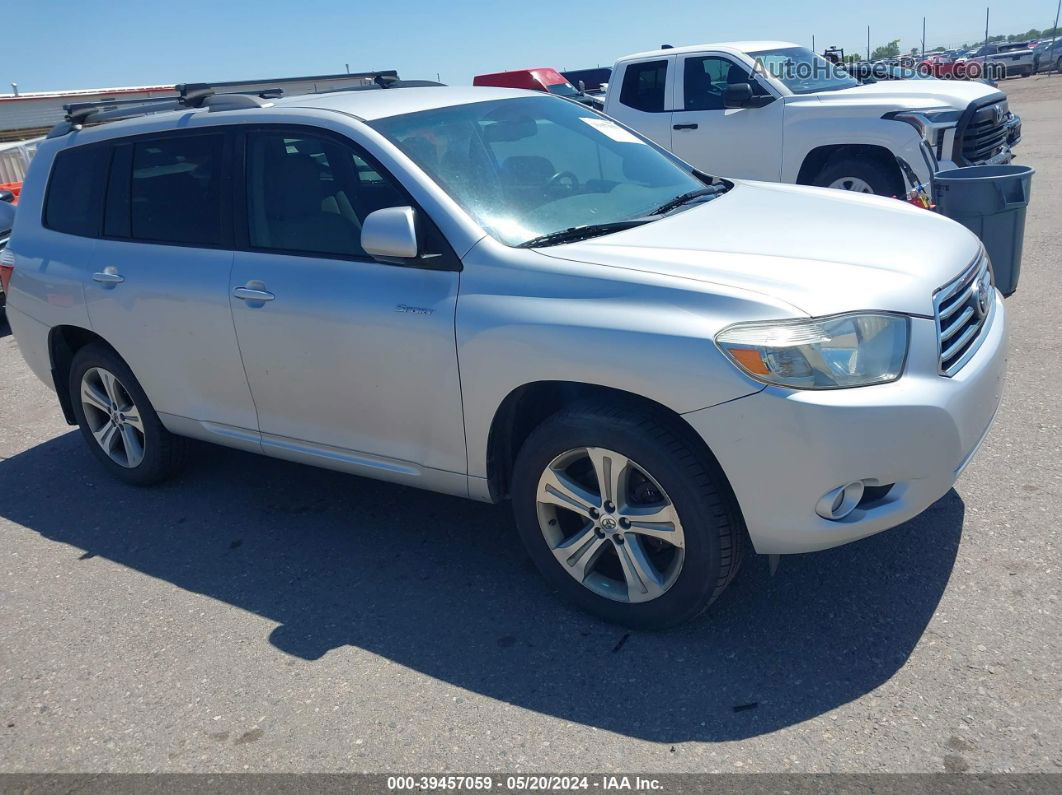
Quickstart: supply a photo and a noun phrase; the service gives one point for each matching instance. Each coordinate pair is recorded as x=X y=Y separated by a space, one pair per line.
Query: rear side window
x=175 y=190
x=73 y=201
x=643 y=86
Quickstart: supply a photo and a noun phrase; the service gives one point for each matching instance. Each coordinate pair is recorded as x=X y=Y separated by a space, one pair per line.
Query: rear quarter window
x=73 y=201
x=643 y=86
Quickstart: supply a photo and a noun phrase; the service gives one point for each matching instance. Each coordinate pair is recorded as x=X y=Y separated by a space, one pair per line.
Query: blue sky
x=50 y=45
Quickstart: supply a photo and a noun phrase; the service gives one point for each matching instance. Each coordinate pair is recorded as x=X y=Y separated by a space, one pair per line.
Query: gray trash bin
x=990 y=201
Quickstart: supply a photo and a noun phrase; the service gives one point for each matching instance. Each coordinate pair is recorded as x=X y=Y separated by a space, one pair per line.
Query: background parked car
x=887 y=72
x=1015 y=59
x=543 y=79
x=1048 y=56
x=941 y=65
x=7 y=220
x=592 y=80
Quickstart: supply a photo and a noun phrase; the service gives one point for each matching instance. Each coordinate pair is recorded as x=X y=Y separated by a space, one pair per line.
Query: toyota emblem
x=982 y=295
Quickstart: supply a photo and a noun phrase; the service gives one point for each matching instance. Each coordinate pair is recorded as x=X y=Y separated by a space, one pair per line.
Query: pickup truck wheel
x=624 y=517
x=117 y=420
x=861 y=176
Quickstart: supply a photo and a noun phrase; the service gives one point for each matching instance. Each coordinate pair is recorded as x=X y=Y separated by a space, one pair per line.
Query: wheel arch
x=817 y=159
x=528 y=405
x=63 y=344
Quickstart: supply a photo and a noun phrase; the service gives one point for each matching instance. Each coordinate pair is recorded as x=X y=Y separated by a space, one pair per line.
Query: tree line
x=892 y=49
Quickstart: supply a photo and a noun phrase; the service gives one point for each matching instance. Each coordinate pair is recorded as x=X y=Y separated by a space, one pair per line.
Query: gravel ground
x=257 y=615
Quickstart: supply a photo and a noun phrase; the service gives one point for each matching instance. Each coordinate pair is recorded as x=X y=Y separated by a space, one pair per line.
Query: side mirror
x=7 y=196
x=737 y=95
x=390 y=234
x=740 y=95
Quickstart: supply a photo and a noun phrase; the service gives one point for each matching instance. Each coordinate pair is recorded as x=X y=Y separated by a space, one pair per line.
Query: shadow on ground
x=441 y=585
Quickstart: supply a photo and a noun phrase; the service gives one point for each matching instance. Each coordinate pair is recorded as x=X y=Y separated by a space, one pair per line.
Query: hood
x=822 y=251
x=915 y=94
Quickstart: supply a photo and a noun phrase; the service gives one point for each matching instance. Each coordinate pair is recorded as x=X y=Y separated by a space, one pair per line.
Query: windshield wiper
x=575 y=233
x=686 y=198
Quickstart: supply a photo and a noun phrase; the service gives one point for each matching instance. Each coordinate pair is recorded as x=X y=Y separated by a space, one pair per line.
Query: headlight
x=928 y=122
x=855 y=349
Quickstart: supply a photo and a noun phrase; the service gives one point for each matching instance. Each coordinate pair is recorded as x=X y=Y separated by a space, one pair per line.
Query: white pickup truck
x=777 y=112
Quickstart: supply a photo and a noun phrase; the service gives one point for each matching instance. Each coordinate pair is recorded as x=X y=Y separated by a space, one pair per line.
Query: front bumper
x=782 y=450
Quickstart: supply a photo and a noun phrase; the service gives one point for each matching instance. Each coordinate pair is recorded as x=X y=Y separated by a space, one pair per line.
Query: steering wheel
x=563 y=183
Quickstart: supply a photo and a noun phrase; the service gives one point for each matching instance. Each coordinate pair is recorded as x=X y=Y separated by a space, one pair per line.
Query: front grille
x=962 y=309
x=985 y=136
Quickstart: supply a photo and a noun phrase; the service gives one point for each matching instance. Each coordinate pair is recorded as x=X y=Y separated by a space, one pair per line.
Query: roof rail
x=189 y=96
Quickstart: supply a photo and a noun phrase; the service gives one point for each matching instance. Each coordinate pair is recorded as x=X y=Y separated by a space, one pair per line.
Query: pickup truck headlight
x=835 y=352
x=932 y=125
x=927 y=122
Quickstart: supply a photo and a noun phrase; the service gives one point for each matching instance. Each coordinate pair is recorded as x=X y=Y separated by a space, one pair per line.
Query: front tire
x=860 y=175
x=117 y=420
x=624 y=516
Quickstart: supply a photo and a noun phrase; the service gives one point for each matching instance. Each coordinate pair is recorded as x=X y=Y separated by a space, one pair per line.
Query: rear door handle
x=252 y=294
x=684 y=127
x=108 y=276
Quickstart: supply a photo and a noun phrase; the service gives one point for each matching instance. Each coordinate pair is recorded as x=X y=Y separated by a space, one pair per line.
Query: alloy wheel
x=854 y=184
x=610 y=525
x=112 y=417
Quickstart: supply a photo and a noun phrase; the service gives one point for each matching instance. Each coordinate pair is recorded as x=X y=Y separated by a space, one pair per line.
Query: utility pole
x=923 y=38
x=813 y=40
x=1054 y=36
x=984 y=60
x=868 y=42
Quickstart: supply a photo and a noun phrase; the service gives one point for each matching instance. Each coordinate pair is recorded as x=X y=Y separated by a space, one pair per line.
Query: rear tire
x=117 y=420
x=862 y=175
x=643 y=574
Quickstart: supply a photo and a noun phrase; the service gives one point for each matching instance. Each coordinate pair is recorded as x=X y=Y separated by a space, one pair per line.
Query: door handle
x=252 y=294
x=108 y=276
x=684 y=126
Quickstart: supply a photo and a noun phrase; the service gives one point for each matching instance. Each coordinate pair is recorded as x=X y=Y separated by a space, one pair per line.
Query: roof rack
x=189 y=96
x=213 y=98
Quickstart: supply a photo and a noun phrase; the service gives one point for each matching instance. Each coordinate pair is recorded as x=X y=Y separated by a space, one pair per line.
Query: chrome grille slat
x=958 y=324
x=956 y=305
x=962 y=309
x=967 y=335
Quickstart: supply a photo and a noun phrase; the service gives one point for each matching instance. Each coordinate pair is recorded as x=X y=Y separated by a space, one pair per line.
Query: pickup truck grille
x=962 y=309
x=985 y=136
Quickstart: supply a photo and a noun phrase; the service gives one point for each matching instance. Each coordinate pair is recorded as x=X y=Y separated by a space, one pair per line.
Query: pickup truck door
x=728 y=142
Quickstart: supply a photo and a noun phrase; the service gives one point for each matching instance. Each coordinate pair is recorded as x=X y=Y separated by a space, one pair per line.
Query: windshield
x=563 y=90
x=529 y=167
x=802 y=71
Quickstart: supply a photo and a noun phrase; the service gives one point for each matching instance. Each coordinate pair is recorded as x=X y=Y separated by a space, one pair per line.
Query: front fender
x=523 y=317
x=811 y=128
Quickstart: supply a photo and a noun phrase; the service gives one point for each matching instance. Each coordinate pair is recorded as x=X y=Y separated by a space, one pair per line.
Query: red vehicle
x=943 y=66
x=549 y=80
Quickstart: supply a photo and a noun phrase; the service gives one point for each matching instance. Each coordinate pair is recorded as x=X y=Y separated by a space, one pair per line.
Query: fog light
x=841 y=501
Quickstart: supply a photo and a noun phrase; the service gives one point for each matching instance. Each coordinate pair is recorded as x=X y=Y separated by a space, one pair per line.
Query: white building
x=31 y=114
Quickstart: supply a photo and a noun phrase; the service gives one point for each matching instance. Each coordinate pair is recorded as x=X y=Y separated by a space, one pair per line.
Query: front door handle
x=684 y=126
x=109 y=276
x=252 y=294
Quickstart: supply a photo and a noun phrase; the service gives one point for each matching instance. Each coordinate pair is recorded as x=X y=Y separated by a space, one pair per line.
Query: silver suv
x=499 y=294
